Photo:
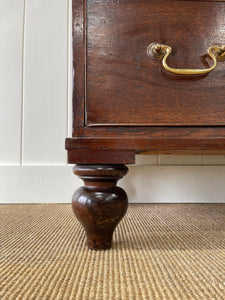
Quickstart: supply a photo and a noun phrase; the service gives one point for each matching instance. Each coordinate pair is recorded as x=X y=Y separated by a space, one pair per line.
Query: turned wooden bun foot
x=100 y=204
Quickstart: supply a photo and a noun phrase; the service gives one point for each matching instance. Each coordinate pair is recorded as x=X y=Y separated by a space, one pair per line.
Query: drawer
x=124 y=86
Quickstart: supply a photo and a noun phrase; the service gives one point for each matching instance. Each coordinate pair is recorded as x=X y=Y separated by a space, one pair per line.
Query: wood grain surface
x=124 y=103
x=126 y=87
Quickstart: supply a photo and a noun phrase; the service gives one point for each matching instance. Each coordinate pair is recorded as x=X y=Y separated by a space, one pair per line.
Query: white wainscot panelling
x=11 y=49
x=146 y=160
x=45 y=82
x=168 y=160
x=214 y=160
x=143 y=184
x=37 y=184
x=175 y=184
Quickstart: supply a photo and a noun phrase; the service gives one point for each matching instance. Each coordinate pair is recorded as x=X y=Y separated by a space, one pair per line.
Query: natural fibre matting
x=160 y=251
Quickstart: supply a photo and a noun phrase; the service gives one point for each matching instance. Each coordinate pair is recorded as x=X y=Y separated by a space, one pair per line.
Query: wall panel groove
x=11 y=37
x=22 y=98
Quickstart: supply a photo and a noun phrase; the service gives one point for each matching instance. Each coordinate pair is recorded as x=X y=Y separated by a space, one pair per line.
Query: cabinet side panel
x=79 y=74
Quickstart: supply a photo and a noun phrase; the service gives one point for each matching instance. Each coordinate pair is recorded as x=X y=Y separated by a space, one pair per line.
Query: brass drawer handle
x=160 y=51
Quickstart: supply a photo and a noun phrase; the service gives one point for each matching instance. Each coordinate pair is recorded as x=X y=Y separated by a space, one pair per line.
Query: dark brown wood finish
x=98 y=48
x=156 y=131
x=124 y=103
x=143 y=144
x=123 y=82
x=79 y=62
x=100 y=204
x=82 y=156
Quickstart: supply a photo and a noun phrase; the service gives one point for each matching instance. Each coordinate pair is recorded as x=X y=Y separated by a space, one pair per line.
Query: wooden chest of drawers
x=149 y=77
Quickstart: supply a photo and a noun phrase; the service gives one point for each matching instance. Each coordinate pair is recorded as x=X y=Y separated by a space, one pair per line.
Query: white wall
x=35 y=118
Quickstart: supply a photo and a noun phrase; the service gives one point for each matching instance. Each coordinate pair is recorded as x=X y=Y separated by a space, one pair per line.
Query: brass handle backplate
x=159 y=51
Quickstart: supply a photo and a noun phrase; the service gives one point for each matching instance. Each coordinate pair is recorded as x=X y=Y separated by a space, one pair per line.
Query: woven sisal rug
x=163 y=251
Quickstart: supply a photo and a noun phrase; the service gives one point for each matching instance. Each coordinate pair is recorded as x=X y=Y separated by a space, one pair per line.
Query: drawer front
x=126 y=87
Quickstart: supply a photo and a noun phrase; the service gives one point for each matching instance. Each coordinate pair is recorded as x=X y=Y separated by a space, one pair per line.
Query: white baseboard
x=143 y=184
